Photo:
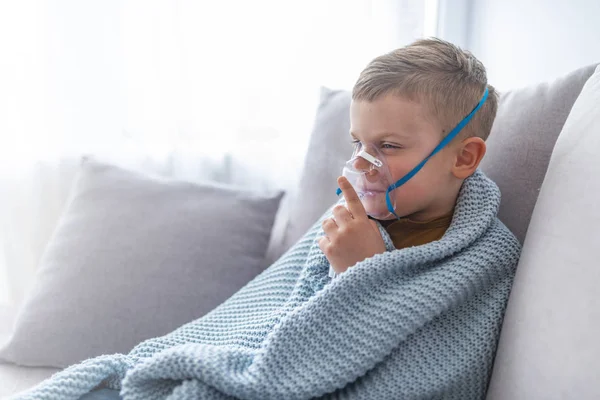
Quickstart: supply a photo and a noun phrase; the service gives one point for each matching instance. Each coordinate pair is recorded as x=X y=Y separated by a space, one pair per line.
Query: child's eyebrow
x=384 y=135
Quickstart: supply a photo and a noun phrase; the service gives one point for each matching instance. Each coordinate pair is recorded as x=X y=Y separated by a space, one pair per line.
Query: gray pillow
x=521 y=142
x=134 y=257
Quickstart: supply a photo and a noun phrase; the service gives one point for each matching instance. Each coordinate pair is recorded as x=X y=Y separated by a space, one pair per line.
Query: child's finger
x=329 y=226
x=342 y=215
x=355 y=206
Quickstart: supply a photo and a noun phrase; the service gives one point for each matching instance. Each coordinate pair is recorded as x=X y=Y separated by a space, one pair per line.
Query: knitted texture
x=416 y=323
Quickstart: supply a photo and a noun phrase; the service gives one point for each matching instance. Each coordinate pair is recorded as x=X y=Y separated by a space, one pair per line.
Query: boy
x=425 y=268
x=405 y=102
x=423 y=112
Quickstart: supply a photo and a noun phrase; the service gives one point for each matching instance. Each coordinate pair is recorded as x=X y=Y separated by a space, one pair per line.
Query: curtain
x=198 y=90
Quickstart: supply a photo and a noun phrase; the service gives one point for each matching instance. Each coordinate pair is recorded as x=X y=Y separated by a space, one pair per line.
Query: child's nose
x=362 y=164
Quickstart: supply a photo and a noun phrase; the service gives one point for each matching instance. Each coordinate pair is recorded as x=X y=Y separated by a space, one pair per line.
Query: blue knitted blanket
x=416 y=323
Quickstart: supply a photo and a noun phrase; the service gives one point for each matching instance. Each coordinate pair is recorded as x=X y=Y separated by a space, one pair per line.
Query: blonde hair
x=449 y=80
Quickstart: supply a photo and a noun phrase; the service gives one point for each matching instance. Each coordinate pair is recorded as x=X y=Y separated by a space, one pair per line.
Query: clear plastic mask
x=370 y=177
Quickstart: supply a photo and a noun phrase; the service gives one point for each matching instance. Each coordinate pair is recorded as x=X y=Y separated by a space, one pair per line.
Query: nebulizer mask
x=369 y=175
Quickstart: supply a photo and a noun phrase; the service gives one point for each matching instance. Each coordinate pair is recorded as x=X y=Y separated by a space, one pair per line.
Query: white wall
x=527 y=41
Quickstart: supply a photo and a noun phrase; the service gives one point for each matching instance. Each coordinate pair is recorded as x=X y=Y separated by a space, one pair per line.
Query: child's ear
x=469 y=155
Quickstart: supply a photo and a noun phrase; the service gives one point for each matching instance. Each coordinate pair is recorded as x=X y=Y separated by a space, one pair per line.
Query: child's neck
x=386 y=222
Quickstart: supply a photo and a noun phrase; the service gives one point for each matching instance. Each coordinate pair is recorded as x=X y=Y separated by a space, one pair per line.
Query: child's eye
x=358 y=144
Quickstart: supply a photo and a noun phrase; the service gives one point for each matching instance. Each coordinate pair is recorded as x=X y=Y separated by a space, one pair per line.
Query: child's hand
x=352 y=236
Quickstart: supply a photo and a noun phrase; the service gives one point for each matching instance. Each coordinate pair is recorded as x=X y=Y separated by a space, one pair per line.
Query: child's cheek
x=413 y=192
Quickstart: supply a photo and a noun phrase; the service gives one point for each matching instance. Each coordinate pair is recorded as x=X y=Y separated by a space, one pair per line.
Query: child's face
x=405 y=135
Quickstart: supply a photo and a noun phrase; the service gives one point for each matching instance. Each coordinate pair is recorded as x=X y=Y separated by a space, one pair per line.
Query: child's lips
x=372 y=192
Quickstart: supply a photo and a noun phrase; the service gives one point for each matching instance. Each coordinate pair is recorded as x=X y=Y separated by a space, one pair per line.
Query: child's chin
x=377 y=210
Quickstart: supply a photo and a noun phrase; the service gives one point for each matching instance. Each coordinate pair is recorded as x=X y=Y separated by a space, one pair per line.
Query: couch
x=532 y=350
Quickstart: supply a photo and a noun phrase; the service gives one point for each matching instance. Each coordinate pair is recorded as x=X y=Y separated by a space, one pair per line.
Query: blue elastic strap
x=440 y=146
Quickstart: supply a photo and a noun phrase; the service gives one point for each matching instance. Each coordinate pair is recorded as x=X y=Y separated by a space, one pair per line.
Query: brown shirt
x=407 y=233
